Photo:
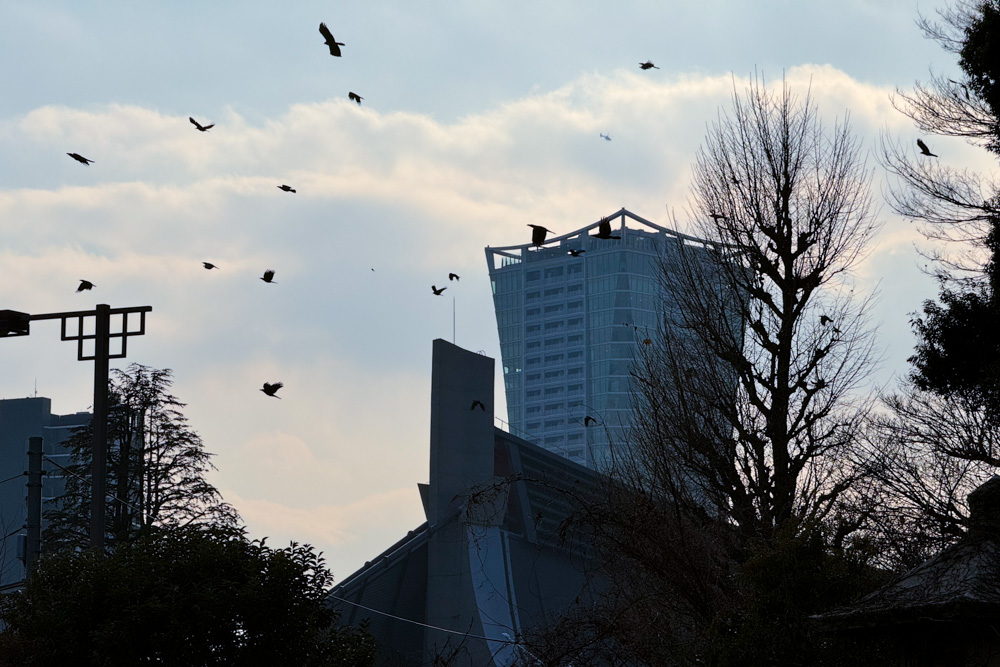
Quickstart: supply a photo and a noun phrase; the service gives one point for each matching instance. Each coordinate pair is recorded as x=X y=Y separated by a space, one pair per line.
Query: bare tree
x=746 y=405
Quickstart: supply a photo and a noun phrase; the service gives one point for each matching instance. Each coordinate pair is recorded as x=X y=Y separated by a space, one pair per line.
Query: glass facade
x=569 y=326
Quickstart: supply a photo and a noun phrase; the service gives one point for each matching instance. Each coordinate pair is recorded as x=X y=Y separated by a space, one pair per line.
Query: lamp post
x=14 y=323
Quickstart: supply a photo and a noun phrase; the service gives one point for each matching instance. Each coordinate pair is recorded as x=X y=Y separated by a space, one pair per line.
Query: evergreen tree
x=156 y=466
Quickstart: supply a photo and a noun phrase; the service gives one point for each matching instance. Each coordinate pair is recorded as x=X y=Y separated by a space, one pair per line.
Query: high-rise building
x=20 y=419
x=570 y=314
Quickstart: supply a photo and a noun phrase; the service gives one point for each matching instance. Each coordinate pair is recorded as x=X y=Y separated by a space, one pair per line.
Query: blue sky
x=477 y=119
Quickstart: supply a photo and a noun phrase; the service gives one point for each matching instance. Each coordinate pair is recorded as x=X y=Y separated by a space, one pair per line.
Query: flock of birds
x=269 y=388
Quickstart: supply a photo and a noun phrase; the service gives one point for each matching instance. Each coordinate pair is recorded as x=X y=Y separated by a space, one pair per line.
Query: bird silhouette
x=588 y=420
x=606 y=137
x=330 y=41
x=923 y=149
x=79 y=158
x=286 y=188
x=437 y=290
x=354 y=97
x=268 y=276
x=824 y=320
x=604 y=230
x=648 y=65
x=85 y=285
x=538 y=234
x=717 y=216
x=209 y=265
x=199 y=126
x=453 y=276
x=272 y=389
x=576 y=253
x=647 y=341
x=478 y=404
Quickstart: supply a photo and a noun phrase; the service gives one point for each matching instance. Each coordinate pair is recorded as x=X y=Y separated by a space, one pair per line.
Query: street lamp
x=15 y=323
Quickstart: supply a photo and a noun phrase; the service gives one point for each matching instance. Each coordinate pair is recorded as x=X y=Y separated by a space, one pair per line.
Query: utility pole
x=32 y=544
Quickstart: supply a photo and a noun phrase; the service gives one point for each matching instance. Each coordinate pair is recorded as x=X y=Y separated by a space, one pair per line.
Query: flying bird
x=453 y=276
x=923 y=149
x=79 y=158
x=478 y=404
x=576 y=253
x=354 y=97
x=604 y=230
x=286 y=188
x=272 y=389
x=330 y=41
x=606 y=137
x=437 y=290
x=648 y=65
x=85 y=285
x=588 y=420
x=538 y=234
x=199 y=126
x=268 y=276
x=209 y=265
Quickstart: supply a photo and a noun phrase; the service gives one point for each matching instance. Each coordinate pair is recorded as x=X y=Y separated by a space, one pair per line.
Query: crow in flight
x=452 y=276
x=209 y=265
x=85 y=285
x=478 y=404
x=286 y=188
x=576 y=253
x=538 y=234
x=604 y=230
x=605 y=137
x=437 y=290
x=354 y=97
x=272 y=389
x=588 y=420
x=330 y=41
x=268 y=276
x=923 y=149
x=201 y=128
x=79 y=158
x=648 y=65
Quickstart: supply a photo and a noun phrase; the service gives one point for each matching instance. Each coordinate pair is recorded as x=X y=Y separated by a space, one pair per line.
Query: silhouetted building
x=490 y=563
x=569 y=326
x=20 y=419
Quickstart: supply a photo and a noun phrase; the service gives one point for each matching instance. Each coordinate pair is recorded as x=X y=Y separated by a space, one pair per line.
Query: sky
x=477 y=118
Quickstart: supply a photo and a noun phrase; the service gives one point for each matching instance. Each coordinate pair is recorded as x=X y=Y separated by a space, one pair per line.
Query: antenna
x=453 y=320
x=36 y=387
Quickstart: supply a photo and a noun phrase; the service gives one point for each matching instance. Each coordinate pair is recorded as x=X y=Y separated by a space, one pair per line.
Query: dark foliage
x=181 y=596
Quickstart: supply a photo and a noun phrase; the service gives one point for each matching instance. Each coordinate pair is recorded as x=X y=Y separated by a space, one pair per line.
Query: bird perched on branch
x=85 y=285
x=199 y=126
x=209 y=265
x=604 y=230
x=268 y=276
x=330 y=41
x=923 y=149
x=272 y=389
x=437 y=290
x=354 y=97
x=648 y=65
x=538 y=234
x=286 y=188
x=79 y=158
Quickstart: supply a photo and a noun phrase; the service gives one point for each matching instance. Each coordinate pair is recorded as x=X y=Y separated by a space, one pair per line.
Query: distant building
x=489 y=564
x=569 y=326
x=20 y=419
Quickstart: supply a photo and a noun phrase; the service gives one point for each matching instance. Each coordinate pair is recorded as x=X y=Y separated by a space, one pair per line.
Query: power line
x=80 y=477
x=21 y=474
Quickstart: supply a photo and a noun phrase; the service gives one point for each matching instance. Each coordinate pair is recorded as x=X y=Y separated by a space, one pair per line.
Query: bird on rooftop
x=648 y=65
x=606 y=137
x=79 y=158
x=209 y=265
x=199 y=126
x=286 y=188
x=437 y=290
x=85 y=285
x=268 y=276
x=576 y=253
x=538 y=234
x=354 y=97
x=453 y=276
x=272 y=389
x=604 y=230
x=330 y=41
x=923 y=149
